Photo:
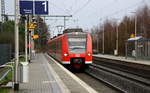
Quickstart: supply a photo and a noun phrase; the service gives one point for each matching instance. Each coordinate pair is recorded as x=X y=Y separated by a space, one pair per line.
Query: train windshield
x=77 y=44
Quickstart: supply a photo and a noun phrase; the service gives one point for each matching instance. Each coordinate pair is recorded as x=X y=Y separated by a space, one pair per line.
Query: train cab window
x=77 y=44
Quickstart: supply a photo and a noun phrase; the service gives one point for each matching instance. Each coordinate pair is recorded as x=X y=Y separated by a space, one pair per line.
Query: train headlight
x=89 y=54
x=65 y=54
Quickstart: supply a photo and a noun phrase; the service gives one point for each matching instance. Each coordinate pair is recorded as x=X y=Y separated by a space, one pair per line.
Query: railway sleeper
x=122 y=83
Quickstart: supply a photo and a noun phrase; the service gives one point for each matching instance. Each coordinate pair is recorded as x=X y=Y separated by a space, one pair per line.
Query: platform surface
x=41 y=79
x=47 y=76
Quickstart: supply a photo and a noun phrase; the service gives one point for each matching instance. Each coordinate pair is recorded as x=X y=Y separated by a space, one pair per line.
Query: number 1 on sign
x=45 y=6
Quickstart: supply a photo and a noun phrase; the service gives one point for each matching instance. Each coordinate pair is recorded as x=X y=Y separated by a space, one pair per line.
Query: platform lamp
x=135 y=32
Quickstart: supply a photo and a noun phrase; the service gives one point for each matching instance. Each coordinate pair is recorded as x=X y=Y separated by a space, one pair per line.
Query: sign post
x=26 y=7
x=16 y=83
x=26 y=40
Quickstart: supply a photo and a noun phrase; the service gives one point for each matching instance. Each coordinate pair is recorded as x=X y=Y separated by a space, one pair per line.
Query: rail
x=120 y=77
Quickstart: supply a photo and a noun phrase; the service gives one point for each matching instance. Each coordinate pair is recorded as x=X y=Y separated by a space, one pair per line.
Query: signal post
x=31 y=40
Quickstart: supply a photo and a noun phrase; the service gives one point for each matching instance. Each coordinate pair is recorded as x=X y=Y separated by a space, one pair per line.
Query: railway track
x=99 y=86
x=96 y=84
x=125 y=78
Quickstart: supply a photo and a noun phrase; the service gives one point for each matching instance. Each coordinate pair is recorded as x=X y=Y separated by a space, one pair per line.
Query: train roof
x=70 y=30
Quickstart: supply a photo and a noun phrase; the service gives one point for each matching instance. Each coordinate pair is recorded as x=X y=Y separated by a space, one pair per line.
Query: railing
x=5 y=69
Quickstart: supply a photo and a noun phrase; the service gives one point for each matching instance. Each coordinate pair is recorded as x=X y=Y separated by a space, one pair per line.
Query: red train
x=74 y=47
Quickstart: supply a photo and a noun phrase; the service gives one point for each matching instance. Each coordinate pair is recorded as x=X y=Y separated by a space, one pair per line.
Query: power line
x=59 y=7
x=81 y=8
x=123 y=9
x=104 y=7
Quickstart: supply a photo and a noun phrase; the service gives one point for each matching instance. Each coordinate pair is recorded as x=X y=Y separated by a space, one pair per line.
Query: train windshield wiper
x=77 y=47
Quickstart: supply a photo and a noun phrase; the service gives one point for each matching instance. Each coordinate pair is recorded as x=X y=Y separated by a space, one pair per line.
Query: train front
x=79 y=49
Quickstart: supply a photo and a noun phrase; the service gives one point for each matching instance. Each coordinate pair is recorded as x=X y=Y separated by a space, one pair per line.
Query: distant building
x=138 y=47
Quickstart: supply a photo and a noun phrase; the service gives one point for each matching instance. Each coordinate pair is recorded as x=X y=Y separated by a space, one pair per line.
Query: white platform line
x=143 y=62
x=62 y=86
x=82 y=83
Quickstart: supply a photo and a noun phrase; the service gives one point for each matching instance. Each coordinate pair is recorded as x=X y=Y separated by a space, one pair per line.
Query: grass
x=22 y=59
x=4 y=90
x=6 y=79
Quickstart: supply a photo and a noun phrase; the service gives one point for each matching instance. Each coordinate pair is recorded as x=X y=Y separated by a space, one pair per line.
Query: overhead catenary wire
x=104 y=18
x=87 y=2
x=61 y=9
x=122 y=10
x=82 y=7
x=102 y=8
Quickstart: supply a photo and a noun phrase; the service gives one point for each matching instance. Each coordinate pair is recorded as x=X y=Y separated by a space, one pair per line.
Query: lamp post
x=117 y=41
x=16 y=83
x=135 y=26
x=103 y=40
x=49 y=30
x=135 y=33
x=135 y=36
x=117 y=37
x=97 y=43
x=103 y=51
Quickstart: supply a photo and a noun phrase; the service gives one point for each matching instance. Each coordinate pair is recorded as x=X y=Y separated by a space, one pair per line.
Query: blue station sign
x=26 y=7
x=41 y=7
x=30 y=7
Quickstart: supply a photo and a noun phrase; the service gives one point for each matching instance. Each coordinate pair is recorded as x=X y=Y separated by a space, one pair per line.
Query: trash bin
x=115 y=52
x=33 y=53
x=24 y=72
x=133 y=53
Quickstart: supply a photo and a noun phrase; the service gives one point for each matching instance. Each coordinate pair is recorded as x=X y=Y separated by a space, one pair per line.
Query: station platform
x=121 y=58
x=48 y=76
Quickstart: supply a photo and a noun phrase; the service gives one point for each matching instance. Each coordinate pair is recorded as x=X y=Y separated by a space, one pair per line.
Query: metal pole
x=1 y=29
x=26 y=51
x=29 y=38
x=135 y=36
x=97 y=44
x=135 y=25
x=64 y=22
x=103 y=39
x=32 y=31
x=44 y=19
x=117 y=40
x=0 y=11
x=56 y=15
x=32 y=43
x=126 y=46
x=16 y=83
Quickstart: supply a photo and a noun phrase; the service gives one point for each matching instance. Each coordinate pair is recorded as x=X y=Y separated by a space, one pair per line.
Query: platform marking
x=62 y=86
x=124 y=59
x=82 y=83
x=45 y=82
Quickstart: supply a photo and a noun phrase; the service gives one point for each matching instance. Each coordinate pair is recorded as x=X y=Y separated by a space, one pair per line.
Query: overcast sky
x=86 y=13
